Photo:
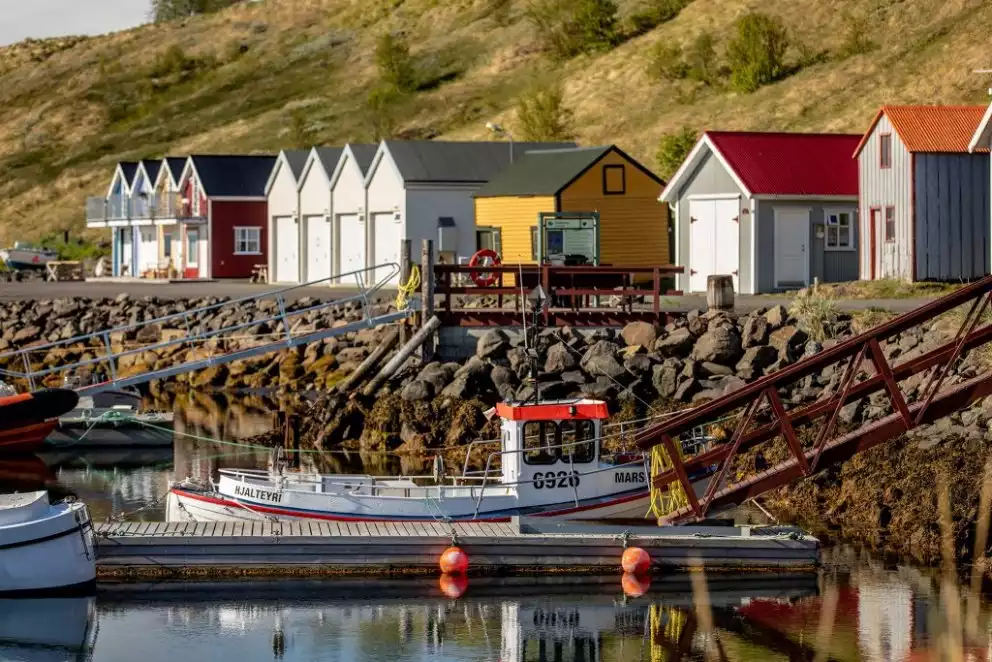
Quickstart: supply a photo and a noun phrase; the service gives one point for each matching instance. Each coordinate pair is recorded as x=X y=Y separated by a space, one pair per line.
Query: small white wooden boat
x=111 y=419
x=24 y=256
x=44 y=547
x=550 y=463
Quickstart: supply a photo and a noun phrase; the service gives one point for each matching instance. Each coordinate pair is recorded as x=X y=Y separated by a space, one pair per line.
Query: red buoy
x=454 y=561
x=634 y=586
x=454 y=586
x=635 y=560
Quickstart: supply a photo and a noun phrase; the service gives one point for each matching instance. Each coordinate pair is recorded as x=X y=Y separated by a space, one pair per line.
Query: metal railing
x=281 y=321
x=150 y=207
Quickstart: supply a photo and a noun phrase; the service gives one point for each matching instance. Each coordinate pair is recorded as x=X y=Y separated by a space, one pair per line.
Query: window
x=890 y=224
x=167 y=245
x=247 y=241
x=538 y=436
x=489 y=238
x=533 y=243
x=840 y=235
x=885 y=150
x=578 y=441
x=614 y=180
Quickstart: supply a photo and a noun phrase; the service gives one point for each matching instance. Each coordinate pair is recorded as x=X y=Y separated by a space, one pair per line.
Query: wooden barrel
x=720 y=292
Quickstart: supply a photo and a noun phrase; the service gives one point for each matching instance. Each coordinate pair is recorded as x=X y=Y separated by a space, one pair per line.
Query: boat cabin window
x=546 y=442
x=538 y=436
x=578 y=441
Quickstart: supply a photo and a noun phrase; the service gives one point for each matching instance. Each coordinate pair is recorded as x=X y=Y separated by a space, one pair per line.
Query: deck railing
x=149 y=207
x=567 y=287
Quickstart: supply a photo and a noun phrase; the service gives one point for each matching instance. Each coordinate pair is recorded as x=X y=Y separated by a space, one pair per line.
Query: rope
x=410 y=287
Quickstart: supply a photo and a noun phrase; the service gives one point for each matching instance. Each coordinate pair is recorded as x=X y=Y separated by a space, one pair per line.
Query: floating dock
x=520 y=546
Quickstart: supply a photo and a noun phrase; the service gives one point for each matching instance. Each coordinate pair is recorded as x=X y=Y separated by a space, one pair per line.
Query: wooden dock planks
x=372 y=547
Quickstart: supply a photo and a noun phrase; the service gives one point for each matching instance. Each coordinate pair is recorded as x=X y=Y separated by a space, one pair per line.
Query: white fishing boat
x=111 y=419
x=25 y=256
x=45 y=547
x=550 y=463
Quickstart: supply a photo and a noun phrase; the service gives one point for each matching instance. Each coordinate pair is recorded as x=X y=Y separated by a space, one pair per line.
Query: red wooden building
x=223 y=215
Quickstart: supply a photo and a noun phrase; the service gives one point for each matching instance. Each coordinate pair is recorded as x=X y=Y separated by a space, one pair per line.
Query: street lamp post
x=498 y=130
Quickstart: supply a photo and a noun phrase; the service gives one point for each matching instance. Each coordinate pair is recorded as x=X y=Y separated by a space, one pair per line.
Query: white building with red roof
x=773 y=210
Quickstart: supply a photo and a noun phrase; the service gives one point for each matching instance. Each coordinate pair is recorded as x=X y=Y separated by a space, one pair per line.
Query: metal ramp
x=26 y=365
x=808 y=428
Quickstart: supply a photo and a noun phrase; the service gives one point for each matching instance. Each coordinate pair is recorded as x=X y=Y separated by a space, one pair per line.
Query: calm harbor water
x=854 y=609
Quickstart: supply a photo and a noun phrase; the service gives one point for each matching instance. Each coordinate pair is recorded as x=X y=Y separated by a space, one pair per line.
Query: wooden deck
x=523 y=546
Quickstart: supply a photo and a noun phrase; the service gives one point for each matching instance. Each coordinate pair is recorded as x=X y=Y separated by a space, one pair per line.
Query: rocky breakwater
x=27 y=324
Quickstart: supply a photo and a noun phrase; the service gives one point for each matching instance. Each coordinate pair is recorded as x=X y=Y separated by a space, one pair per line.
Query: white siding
x=879 y=188
x=426 y=205
x=315 y=200
x=348 y=197
x=386 y=194
x=283 y=201
x=147 y=249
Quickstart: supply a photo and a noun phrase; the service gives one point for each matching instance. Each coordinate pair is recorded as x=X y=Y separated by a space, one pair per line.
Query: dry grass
x=58 y=144
x=886 y=289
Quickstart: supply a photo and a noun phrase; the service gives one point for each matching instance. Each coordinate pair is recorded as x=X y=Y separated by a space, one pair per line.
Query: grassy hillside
x=265 y=75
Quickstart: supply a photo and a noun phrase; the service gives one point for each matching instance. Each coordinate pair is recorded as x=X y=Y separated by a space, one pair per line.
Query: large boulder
x=505 y=381
x=417 y=391
x=755 y=360
x=789 y=341
x=637 y=364
x=600 y=360
x=560 y=358
x=639 y=333
x=677 y=343
x=721 y=345
x=492 y=344
x=755 y=331
x=437 y=375
x=665 y=377
x=776 y=317
x=519 y=361
x=26 y=335
x=148 y=335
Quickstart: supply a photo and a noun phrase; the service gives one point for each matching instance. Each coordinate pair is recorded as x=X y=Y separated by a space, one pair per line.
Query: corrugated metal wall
x=952 y=216
x=879 y=188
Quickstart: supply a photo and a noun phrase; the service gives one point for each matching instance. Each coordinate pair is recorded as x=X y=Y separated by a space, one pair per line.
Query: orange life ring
x=484 y=278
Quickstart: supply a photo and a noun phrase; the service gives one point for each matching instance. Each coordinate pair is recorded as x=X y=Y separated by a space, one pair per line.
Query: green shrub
x=381 y=111
x=168 y=10
x=392 y=58
x=654 y=13
x=857 y=37
x=665 y=62
x=542 y=114
x=572 y=27
x=673 y=148
x=756 y=54
x=700 y=59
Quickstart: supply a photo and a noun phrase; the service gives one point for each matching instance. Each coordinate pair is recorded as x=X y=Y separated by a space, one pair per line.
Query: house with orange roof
x=924 y=194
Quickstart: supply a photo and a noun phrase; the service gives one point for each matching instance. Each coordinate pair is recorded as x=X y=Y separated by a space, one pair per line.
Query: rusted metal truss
x=864 y=370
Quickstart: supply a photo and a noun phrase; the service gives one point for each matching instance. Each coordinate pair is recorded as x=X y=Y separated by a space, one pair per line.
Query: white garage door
x=714 y=241
x=318 y=248
x=287 y=250
x=388 y=233
x=351 y=247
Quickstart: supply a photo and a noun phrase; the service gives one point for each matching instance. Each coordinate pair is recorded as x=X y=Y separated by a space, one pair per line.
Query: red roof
x=931 y=128
x=791 y=163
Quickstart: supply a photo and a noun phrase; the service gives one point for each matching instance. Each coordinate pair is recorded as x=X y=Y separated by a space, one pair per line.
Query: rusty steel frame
x=931 y=404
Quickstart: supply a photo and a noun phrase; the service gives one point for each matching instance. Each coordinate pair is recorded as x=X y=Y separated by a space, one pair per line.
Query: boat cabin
x=557 y=438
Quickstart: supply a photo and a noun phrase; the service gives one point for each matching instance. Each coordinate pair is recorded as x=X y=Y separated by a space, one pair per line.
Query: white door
x=318 y=248
x=287 y=250
x=791 y=247
x=351 y=247
x=714 y=241
x=387 y=233
x=702 y=256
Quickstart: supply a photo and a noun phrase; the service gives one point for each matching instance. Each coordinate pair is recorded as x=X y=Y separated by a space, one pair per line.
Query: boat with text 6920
x=551 y=462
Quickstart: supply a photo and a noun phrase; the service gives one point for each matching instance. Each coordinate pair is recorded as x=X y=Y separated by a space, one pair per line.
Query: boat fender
x=635 y=561
x=454 y=561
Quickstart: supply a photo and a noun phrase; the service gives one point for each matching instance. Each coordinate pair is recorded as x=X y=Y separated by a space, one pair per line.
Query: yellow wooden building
x=589 y=204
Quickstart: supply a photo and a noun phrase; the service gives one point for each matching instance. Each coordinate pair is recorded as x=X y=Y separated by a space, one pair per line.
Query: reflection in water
x=880 y=615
